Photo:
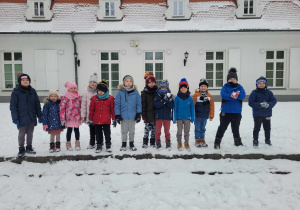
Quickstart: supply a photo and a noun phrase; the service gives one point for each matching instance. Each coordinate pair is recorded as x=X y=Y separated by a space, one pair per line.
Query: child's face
x=164 y=88
x=53 y=97
x=203 y=88
x=25 y=82
x=151 y=84
x=93 y=85
x=100 y=92
x=233 y=80
x=261 y=85
x=183 y=89
x=73 y=90
x=128 y=82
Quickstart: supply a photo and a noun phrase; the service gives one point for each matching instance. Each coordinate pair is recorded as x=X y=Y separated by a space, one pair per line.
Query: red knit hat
x=149 y=77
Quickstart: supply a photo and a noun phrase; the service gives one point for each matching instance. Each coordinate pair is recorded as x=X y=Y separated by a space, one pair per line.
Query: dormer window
x=109 y=9
x=39 y=8
x=178 y=8
x=248 y=7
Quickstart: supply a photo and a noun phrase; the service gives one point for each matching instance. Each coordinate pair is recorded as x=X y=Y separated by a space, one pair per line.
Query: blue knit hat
x=164 y=84
x=183 y=83
x=262 y=79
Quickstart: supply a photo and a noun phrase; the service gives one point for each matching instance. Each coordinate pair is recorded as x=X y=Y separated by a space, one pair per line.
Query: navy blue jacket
x=51 y=114
x=258 y=96
x=231 y=105
x=163 y=110
x=25 y=106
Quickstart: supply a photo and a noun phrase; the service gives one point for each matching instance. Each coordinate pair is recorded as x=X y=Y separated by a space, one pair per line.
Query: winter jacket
x=203 y=110
x=148 y=104
x=25 y=106
x=258 y=96
x=51 y=114
x=231 y=105
x=163 y=109
x=70 y=109
x=184 y=109
x=101 y=111
x=128 y=104
x=85 y=104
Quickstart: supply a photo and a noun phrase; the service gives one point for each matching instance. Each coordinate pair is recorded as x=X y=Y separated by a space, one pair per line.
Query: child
x=91 y=91
x=164 y=104
x=128 y=109
x=25 y=107
x=204 y=108
x=70 y=113
x=262 y=101
x=148 y=109
x=184 y=114
x=101 y=113
x=51 y=120
x=232 y=95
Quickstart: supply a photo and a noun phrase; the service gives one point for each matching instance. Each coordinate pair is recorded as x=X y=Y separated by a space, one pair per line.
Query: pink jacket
x=86 y=101
x=70 y=109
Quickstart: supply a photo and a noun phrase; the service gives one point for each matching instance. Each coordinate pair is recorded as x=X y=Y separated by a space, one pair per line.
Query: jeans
x=200 y=124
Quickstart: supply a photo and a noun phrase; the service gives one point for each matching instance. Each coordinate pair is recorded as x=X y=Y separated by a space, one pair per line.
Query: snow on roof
x=143 y=17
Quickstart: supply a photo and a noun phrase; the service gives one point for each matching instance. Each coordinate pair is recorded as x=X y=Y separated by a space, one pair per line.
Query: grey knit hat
x=52 y=91
x=93 y=78
x=164 y=84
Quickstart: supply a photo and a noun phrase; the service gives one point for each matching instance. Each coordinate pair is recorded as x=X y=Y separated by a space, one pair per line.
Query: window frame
x=12 y=62
x=39 y=9
x=178 y=8
x=154 y=61
x=248 y=9
x=109 y=9
x=274 y=61
x=214 y=62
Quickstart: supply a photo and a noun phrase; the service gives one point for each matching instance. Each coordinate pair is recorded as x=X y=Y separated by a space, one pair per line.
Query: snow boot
x=21 y=152
x=69 y=146
x=108 y=149
x=99 y=148
x=268 y=142
x=152 y=142
x=217 y=144
x=91 y=146
x=203 y=143
x=132 y=147
x=179 y=146
x=168 y=145
x=187 y=146
x=57 y=146
x=30 y=150
x=197 y=143
x=255 y=143
x=145 y=143
x=77 y=145
x=158 y=145
x=238 y=142
x=123 y=147
x=51 y=147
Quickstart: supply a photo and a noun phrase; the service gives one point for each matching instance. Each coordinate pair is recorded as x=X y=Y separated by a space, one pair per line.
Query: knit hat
x=149 y=77
x=232 y=74
x=203 y=81
x=93 y=78
x=262 y=79
x=52 y=91
x=126 y=77
x=183 y=83
x=164 y=84
x=70 y=85
x=102 y=86
x=21 y=76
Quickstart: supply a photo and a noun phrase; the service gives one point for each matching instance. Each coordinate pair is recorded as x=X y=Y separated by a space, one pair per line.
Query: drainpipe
x=75 y=58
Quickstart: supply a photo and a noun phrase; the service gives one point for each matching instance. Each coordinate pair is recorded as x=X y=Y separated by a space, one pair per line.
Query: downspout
x=75 y=58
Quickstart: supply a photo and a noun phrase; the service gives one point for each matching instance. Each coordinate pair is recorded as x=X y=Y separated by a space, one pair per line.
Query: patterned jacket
x=70 y=109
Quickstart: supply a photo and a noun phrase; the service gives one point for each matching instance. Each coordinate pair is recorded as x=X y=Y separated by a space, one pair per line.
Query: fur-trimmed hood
x=121 y=86
x=46 y=100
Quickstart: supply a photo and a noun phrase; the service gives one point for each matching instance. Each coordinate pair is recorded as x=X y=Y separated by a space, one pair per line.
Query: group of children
x=156 y=106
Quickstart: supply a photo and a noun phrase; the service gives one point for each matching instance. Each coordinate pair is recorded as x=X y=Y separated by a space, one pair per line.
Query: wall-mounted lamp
x=134 y=43
x=77 y=61
x=186 y=55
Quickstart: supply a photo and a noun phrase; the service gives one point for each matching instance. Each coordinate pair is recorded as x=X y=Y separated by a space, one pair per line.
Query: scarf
x=93 y=90
x=163 y=92
x=262 y=90
x=150 y=91
x=203 y=93
x=104 y=96
x=183 y=95
x=129 y=89
x=71 y=96
x=233 y=84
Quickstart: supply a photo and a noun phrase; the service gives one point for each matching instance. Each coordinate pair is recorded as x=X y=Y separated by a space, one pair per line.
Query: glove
x=119 y=119
x=206 y=100
x=62 y=122
x=137 y=117
x=40 y=120
x=114 y=123
x=16 y=122
x=202 y=98
x=169 y=97
x=264 y=105
x=45 y=127
x=90 y=122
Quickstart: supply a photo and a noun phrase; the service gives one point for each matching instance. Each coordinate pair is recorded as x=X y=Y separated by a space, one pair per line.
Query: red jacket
x=102 y=111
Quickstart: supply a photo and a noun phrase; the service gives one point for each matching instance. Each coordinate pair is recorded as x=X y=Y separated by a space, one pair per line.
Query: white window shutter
x=295 y=68
x=234 y=60
x=51 y=69
x=40 y=70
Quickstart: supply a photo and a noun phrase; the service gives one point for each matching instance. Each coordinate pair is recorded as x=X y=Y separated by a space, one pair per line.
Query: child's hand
x=82 y=119
x=119 y=119
x=45 y=127
x=40 y=120
x=138 y=117
x=90 y=122
x=114 y=123
x=62 y=122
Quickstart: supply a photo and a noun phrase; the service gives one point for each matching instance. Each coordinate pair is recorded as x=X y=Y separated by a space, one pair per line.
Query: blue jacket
x=25 y=106
x=128 y=104
x=258 y=96
x=51 y=114
x=231 y=105
x=184 y=109
x=163 y=110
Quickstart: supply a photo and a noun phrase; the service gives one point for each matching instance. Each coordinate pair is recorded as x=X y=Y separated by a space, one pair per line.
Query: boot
x=21 y=152
x=30 y=150
x=77 y=145
x=69 y=146
x=197 y=143
x=238 y=142
x=132 y=147
x=187 y=146
x=152 y=142
x=217 y=144
x=203 y=143
x=99 y=148
x=91 y=146
x=57 y=146
x=124 y=146
x=145 y=143
x=158 y=145
x=168 y=145
x=179 y=146
x=51 y=147
x=108 y=148
x=255 y=143
x=268 y=142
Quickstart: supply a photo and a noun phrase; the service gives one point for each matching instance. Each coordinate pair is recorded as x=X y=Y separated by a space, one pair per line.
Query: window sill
x=38 y=17
x=279 y=88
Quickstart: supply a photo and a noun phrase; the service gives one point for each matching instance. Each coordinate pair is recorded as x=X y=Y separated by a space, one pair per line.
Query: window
x=154 y=63
x=248 y=7
x=110 y=9
x=275 y=67
x=109 y=66
x=12 y=66
x=178 y=8
x=215 y=68
x=39 y=9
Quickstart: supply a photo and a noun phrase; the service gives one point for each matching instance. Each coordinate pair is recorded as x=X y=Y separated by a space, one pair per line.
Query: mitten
x=201 y=98
x=119 y=119
x=45 y=127
x=114 y=123
x=16 y=122
x=90 y=122
x=206 y=100
x=137 y=117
